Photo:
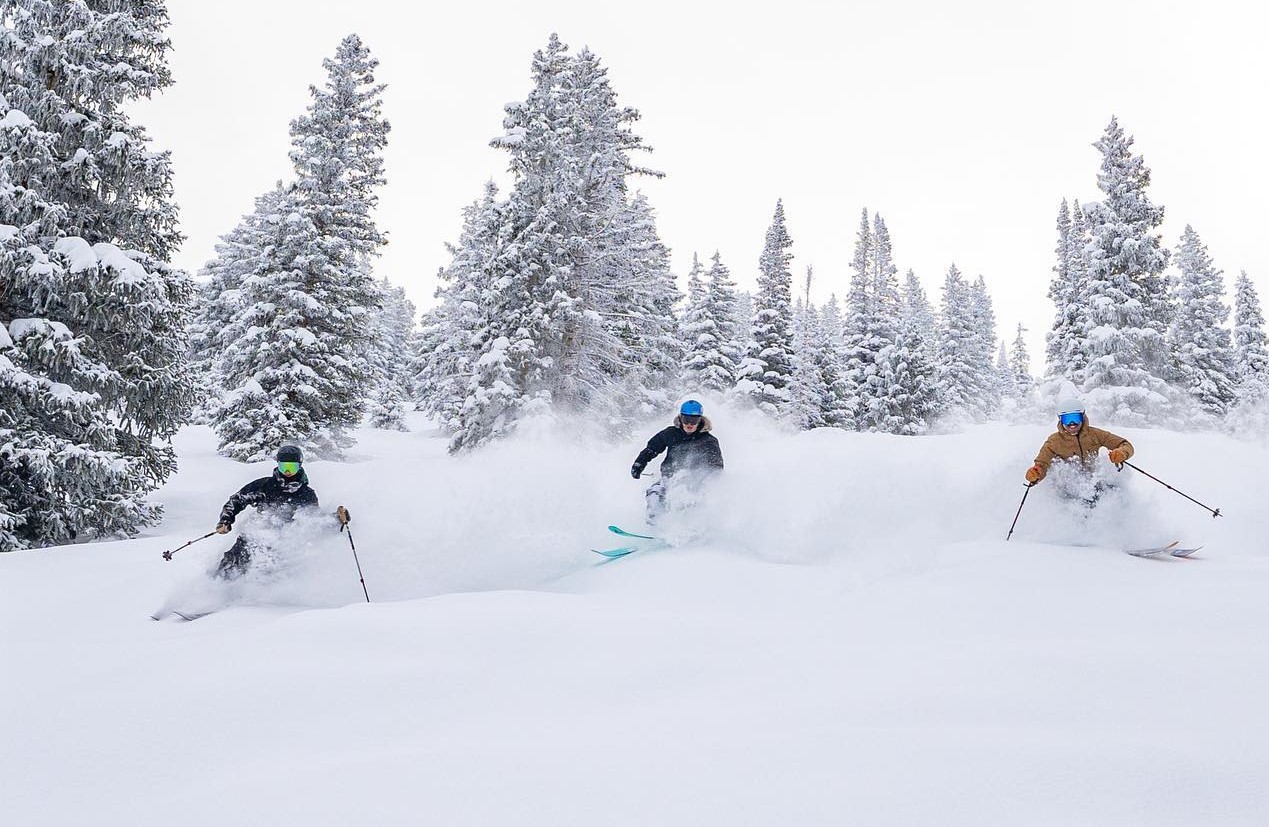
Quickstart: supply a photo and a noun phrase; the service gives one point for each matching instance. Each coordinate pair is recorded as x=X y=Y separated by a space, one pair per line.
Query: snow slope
x=850 y=641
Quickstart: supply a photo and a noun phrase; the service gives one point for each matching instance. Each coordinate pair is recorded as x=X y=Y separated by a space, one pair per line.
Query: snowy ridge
x=851 y=626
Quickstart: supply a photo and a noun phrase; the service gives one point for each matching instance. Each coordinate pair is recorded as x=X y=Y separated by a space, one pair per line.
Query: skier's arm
x=715 y=454
x=248 y=494
x=655 y=446
x=1042 y=461
x=1120 y=448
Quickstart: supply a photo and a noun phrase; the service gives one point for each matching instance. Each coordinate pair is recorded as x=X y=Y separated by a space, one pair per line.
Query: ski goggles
x=290 y=469
x=690 y=419
x=1075 y=418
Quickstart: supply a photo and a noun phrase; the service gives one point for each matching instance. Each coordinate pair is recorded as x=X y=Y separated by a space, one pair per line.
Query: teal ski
x=621 y=531
x=614 y=553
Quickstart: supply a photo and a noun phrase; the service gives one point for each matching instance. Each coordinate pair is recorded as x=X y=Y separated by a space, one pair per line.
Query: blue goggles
x=1075 y=418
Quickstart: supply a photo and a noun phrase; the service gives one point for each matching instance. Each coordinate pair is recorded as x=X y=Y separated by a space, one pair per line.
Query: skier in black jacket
x=690 y=450
x=279 y=495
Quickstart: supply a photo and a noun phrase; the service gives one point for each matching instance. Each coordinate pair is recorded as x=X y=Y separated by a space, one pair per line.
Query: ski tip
x=1184 y=552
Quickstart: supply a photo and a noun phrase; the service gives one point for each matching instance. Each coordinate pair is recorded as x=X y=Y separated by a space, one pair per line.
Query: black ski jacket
x=683 y=451
x=275 y=494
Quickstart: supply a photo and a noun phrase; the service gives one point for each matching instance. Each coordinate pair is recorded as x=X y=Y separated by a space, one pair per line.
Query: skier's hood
x=706 y=425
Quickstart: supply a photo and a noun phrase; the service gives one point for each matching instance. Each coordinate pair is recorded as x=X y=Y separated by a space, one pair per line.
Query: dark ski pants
x=236 y=561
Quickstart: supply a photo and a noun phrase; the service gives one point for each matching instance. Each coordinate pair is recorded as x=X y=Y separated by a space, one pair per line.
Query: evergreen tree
x=1020 y=370
x=1251 y=353
x=299 y=362
x=453 y=334
x=721 y=346
x=768 y=367
x=963 y=351
x=1199 y=340
x=394 y=327
x=239 y=254
x=984 y=321
x=1251 y=357
x=1066 y=347
x=857 y=354
x=886 y=392
x=93 y=355
x=583 y=316
x=1127 y=302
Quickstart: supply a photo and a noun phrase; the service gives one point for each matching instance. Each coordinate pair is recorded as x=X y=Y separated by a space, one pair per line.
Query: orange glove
x=1118 y=456
x=1035 y=473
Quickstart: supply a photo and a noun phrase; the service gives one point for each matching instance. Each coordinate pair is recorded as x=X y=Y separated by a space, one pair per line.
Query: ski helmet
x=1069 y=404
x=290 y=453
x=691 y=408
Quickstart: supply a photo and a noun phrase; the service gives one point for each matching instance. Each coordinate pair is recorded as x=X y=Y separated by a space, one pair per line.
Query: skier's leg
x=654 y=498
x=236 y=560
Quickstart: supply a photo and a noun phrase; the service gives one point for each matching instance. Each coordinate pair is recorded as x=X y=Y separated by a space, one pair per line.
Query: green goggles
x=289 y=469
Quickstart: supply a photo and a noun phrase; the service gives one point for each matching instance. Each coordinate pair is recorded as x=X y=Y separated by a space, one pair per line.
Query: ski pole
x=167 y=555
x=1029 y=486
x=1216 y=512
x=358 y=562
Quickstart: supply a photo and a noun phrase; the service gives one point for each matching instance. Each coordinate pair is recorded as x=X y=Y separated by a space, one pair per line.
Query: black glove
x=636 y=470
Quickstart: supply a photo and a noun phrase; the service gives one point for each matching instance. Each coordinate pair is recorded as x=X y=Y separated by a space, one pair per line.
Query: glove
x=342 y=515
x=224 y=528
x=636 y=470
x=1118 y=456
x=1035 y=473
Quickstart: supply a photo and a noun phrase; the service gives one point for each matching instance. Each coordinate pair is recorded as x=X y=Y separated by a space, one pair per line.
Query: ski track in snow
x=849 y=641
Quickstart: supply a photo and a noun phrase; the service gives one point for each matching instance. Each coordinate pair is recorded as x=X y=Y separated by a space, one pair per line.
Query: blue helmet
x=691 y=408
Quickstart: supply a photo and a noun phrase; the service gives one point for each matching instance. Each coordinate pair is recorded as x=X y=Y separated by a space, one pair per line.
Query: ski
x=184 y=617
x=1184 y=552
x=622 y=532
x=1153 y=552
x=614 y=553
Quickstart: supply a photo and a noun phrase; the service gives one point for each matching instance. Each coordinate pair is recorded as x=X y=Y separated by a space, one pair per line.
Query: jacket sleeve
x=714 y=455
x=1046 y=456
x=247 y=495
x=1113 y=441
x=655 y=446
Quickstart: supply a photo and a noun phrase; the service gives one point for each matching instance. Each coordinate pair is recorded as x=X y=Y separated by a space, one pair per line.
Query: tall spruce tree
x=1200 y=342
x=578 y=264
x=1251 y=357
x=963 y=352
x=857 y=353
x=722 y=352
x=298 y=364
x=393 y=392
x=768 y=366
x=94 y=314
x=1128 y=306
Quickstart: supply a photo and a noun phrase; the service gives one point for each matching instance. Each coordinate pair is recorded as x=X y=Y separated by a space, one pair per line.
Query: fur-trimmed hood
x=706 y=425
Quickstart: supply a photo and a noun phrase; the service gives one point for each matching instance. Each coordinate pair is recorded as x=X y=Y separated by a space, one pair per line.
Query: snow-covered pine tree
x=239 y=253
x=578 y=264
x=1251 y=358
x=962 y=365
x=1251 y=352
x=984 y=316
x=839 y=406
x=1066 y=347
x=452 y=335
x=857 y=355
x=93 y=311
x=807 y=390
x=298 y=367
x=720 y=347
x=768 y=367
x=1127 y=304
x=393 y=393
x=1020 y=371
x=888 y=390
x=696 y=328
x=1200 y=342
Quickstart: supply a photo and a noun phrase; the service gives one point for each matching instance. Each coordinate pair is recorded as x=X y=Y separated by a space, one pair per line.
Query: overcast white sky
x=964 y=124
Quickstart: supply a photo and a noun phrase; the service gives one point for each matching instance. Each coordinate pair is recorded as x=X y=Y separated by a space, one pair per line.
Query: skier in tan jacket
x=1077 y=440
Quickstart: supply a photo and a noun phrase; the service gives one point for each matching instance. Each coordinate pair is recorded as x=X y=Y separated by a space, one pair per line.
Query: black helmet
x=290 y=453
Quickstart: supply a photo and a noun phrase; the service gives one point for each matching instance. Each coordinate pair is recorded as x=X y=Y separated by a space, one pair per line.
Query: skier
x=1076 y=439
x=280 y=495
x=690 y=450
